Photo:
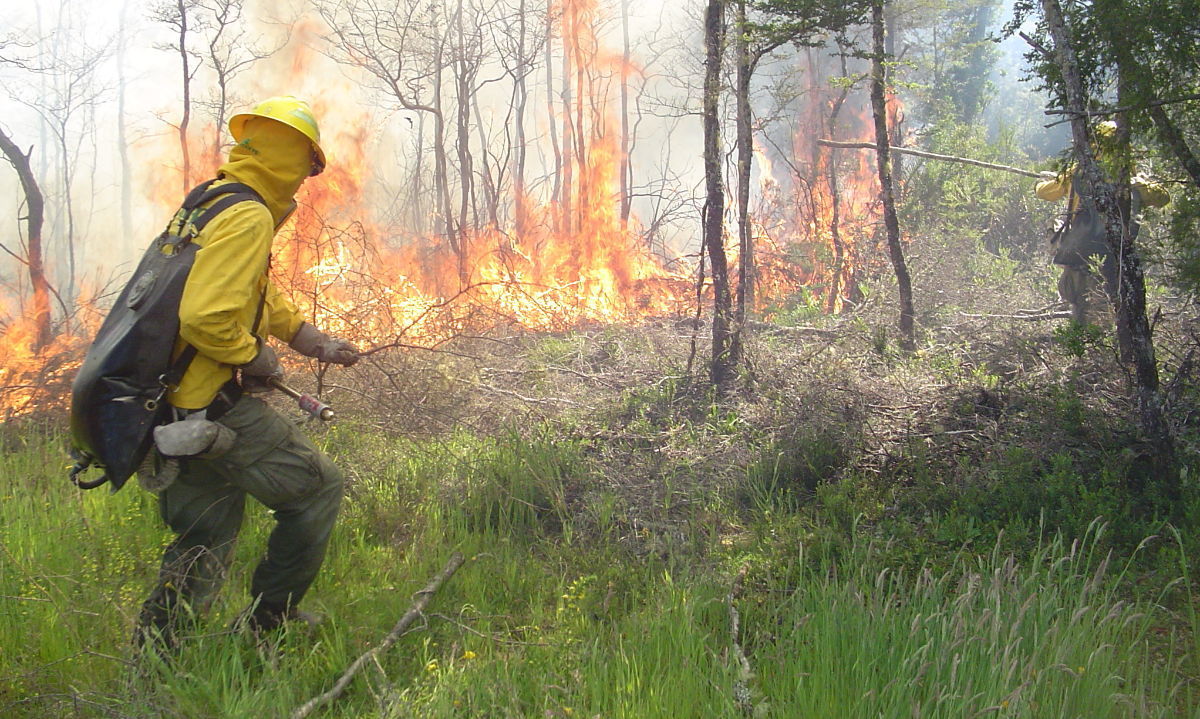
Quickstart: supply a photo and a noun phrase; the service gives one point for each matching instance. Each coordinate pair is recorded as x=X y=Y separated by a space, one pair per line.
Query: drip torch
x=307 y=402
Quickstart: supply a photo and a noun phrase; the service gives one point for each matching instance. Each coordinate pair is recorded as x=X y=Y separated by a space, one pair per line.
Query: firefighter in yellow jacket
x=228 y=308
x=1082 y=237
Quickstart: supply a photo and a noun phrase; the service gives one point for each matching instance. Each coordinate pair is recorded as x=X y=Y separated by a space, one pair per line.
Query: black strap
x=175 y=374
x=224 y=203
x=228 y=195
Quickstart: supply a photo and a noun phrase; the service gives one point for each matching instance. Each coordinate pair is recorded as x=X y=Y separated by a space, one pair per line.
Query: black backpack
x=1081 y=235
x=117 y=398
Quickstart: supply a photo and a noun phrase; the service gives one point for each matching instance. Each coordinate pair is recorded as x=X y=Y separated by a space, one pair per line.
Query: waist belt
x=226 y=398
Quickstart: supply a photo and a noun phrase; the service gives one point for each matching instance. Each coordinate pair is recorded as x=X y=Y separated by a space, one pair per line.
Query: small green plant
x=1077 y=339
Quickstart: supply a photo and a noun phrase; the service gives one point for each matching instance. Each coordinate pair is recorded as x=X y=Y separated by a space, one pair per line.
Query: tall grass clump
x=1050 y=636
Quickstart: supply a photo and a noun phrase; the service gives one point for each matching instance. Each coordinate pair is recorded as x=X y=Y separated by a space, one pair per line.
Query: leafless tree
x=181 y=17
x=30 y=253
x=68 y=94
x=229 y=48
x=405 y=48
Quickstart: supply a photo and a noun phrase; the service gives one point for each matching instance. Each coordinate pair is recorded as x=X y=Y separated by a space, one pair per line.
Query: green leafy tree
x=1088 y=56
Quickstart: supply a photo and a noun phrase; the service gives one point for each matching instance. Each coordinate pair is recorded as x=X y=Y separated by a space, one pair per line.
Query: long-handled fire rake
x=307 y=402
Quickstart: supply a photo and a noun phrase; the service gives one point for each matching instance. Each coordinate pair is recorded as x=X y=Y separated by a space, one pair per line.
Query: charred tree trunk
x=35 y=213
x=745 y=158
x=724 y=361
x=887 y=194
x=1129 y=298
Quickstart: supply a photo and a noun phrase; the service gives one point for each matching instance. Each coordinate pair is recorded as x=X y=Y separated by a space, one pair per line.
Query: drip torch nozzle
x=308 y=403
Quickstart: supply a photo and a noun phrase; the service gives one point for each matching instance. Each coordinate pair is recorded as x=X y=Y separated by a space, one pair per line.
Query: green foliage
x=804 y=22
x=787 y=474
x=951 y=73
x=800 y=308
x=1183 y=258
x=957 y=200
x=1077 y=339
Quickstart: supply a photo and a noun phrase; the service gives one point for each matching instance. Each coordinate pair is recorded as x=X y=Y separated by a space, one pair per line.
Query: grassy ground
x=965 y=531
x=566 y=607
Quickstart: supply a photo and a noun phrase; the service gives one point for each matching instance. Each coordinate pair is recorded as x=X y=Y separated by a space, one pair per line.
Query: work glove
x=312 y=342
x=257 y=373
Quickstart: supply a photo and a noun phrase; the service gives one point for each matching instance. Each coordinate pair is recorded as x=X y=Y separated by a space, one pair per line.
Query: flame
x=372 y=280
x=817 y=226
x=570 y=261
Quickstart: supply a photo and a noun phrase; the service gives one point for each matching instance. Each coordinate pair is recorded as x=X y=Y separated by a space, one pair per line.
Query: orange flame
x=572 y=260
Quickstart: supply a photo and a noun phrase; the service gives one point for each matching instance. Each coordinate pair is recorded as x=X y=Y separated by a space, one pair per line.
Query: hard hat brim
x=237 y=126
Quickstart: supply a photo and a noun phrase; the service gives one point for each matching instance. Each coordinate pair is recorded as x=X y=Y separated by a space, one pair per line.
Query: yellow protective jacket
x=1152 y=193
x=229 y=275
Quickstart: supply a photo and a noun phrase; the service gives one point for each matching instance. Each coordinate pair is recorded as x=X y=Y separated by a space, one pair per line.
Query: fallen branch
x=935 y=156
x=413 y=612
x=773 y=329
x=1028 y=317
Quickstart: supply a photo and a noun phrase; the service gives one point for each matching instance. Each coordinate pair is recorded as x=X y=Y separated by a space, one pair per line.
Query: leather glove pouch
x=194 y=437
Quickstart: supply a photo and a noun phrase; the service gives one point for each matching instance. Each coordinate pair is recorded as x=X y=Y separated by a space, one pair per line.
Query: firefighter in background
x=228 y=307
x=1081 y=235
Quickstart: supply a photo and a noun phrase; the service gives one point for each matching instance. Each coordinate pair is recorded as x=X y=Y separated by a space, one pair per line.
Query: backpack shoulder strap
x=226 y=195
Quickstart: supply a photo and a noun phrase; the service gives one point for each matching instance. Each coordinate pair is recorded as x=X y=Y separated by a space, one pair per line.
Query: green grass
x=565 y=609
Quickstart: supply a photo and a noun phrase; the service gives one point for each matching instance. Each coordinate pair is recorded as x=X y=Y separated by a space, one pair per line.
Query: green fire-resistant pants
x=272 y=461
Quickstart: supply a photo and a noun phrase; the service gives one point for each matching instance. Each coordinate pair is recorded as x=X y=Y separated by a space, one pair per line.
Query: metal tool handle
x=308 y=403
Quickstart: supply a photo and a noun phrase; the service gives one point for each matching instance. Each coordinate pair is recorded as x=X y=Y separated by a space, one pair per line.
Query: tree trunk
x=466 y=171
x=568 y=127
x=883 y=158
x=581 y=138
x=491 y=199
x=835 y=201
x=745 y=146
x=441 y=170
x=417 y=199
x=35 y=209
x=521 y=97
x=724 y=362
x=556 y=193
x=122 y=139
x=1173 y=140
x=625 y=166
x=1129 y=298
x=187 y=96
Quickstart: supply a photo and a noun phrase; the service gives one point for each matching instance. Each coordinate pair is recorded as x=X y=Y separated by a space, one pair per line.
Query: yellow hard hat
x=1106 y=129
x=291 y=111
